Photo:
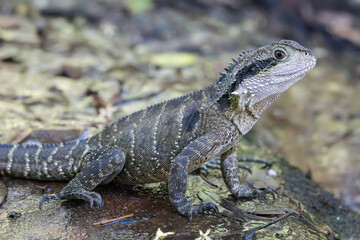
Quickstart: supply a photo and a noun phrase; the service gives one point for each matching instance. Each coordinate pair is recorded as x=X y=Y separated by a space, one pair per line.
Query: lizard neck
x=242 y=112
x=221 y=89
x=259 y=107
x=241 y=115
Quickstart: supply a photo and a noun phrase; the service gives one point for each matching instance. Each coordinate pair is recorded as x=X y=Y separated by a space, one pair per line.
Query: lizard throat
x=262 y=105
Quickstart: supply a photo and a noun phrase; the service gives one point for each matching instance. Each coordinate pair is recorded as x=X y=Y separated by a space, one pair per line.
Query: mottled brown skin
x=166 y=141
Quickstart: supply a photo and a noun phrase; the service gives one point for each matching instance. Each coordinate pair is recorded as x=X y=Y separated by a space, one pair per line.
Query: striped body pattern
x=166 y=141
x=41 y=162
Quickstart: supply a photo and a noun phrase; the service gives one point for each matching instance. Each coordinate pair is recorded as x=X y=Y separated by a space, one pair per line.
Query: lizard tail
x=41 y=161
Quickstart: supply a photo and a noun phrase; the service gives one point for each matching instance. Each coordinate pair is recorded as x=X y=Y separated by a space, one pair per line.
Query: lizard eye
x=280 y=54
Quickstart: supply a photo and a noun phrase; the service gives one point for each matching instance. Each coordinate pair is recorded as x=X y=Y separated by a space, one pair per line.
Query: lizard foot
x=251 y=191
x=260 y=193
x=87 y=196
x=202 y=208
x=213 y=163
x=245 y=167
x=48 y=198
x=216 y=162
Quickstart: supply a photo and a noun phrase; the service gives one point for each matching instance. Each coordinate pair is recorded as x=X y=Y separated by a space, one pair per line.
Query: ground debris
x=161 y=235
x=112 y=220
x=3 y=192
x=204 y=236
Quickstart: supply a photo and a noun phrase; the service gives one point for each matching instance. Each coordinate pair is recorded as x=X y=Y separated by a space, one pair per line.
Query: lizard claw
x=48 y=198
x=203 y=207
x=247 y=168
x=268 y=190
x=272 y=191
x=89 y=197
x=257 y=193
x=204 y=168
x=210 y=207
x=269 y=164
x=97 y=198
x=213 y=163
x=251 y=192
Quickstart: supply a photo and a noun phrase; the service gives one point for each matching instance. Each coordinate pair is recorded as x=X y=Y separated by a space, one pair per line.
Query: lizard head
x=261 y=75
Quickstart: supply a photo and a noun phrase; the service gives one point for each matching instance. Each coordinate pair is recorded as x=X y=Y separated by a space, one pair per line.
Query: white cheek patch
x=236 y=92
x=239 y=91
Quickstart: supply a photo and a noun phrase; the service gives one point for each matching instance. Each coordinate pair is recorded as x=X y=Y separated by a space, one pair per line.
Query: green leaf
x=173 y=59
x=139 y=6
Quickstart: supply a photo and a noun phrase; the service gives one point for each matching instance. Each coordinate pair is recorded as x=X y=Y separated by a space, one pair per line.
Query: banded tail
x=42 y=161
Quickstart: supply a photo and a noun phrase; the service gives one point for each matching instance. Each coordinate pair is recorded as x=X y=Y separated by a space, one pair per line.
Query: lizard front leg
x=202 y=148
x=103 y=169
x=230 y=172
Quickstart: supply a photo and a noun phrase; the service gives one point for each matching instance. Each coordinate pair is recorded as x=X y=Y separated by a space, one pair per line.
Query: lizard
x=166 y=141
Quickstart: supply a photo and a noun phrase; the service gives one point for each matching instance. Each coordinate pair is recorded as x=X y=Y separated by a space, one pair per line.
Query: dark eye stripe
x=251 y=70
x=265 y=64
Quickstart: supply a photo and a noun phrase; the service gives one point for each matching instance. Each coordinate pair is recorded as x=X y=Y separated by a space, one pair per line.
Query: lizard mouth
x=284 y=80
x=296 y=73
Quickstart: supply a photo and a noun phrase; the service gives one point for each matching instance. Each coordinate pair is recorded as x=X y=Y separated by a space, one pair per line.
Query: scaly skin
x=166 y=141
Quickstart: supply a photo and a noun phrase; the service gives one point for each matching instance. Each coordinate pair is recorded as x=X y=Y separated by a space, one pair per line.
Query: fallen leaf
x=173 y=59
